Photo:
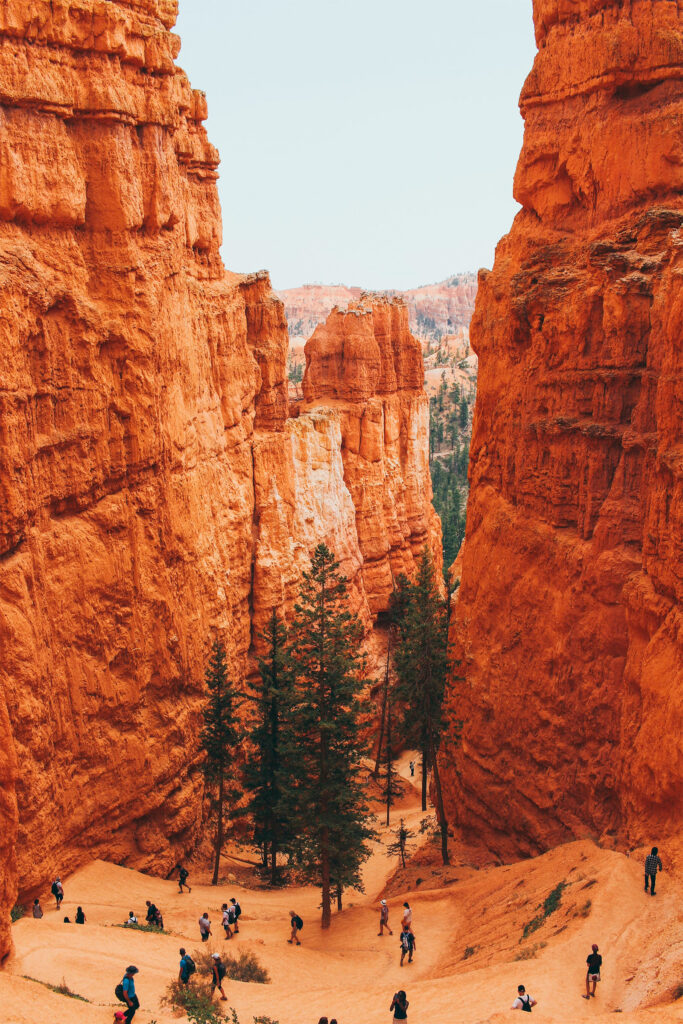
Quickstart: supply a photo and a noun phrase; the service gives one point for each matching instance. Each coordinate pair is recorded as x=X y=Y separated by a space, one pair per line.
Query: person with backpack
x=653 y=864
x=399 y=1004
x=297 y=924
x=407 y=919
x=228 y=919
x=384 y=918
x=238 y=913
x=57 y=890
x=132 y=919
x=182 y=878
x=80 y=916
x=594 y=961
x=125 y=993
x=37 y=909
x=408 y=945
x=523 y=1001
x=205 y=926
x=218 y=972
x=187 y=967
x=151 y=915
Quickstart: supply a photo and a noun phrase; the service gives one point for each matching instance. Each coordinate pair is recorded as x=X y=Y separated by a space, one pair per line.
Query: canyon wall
x=154 y=489
x=568 y=624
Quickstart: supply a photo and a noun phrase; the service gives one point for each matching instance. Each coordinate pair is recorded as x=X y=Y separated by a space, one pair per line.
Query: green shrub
x=469 y=951
x=17 y=912
x=550 y=905
x=62 y=990
x=195 y=999
x=144 y=928
x=246 y=967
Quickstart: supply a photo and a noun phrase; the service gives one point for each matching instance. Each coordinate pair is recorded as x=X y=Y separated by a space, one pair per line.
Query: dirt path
x=469 y=960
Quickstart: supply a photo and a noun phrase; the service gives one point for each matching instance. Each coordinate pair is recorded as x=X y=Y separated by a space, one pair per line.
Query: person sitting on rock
x=132 y=919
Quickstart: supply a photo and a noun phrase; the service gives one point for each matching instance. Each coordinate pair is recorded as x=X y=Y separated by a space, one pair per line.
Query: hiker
x=67 y=920
x=125 y=992
x=399 y=1004
x=158 y=919
x=412 y=769
x=408 y=945
x=80 y=916
x=407 y=919
x=228 y=920
x=218 y=972
x=132 y=919
x=653 y=864
x=37 y=909
x=297 y=924
x=205 y=926
x=187 y=967
x=523 y=1001
x=323 y=1020
x=594 y=961
x=57 y=890
x=151 y=915
x=238 y=913
x=384 y=918
x=182 y=878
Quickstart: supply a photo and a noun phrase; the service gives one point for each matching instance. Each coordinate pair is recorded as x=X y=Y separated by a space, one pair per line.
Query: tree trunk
x=325 y=875
x=273 y=863
x=441 y=813
x=339 y=898
x=424 y=777
x=390 y=766
x=219 y=832
x=385 y=699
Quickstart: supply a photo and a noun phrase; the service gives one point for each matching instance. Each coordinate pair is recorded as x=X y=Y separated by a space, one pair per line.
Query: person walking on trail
x=594 y=962
x=407 y=919
x=187 y=967
x=238 y=913
x=297 y=924
x=182 y=878
x=57 y=890
x=80 y=916
x=653 y=864
x=228 y=920
x=205 y=926
x=399 y=1004
x=523 y=1001
x=37 y=909
x=384 y=918
x=412 y=769
x=218 y=972
x=126 y=993
x=408 y=945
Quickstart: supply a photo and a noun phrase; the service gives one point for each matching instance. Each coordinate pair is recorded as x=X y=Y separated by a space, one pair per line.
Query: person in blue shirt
x=129 y=993
x=186 y=967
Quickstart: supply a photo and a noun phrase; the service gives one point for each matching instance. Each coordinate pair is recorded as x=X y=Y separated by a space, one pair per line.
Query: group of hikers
x=231 y=913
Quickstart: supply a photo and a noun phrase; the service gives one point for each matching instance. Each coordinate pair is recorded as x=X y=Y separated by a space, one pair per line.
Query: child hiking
x=594 y=962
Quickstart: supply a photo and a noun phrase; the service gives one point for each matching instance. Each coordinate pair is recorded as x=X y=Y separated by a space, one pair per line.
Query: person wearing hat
x=129 y=996
x=218 y=972
x=384 y=918
x=594 y=961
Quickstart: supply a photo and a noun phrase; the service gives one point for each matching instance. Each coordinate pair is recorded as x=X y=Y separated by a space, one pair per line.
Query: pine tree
x=324 y=652
x=220 y=737
x=400 y=848
x=267 y=773
x=421 y=660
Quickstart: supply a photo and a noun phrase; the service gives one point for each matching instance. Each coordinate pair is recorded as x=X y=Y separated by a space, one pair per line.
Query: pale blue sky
x=367 y=143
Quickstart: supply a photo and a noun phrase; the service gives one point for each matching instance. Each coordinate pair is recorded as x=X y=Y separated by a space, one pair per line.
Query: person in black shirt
x=594 y=961
x=399 y=1004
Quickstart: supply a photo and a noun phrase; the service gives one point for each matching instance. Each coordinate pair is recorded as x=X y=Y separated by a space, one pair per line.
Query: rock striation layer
x=154 y=489
x=568 y=623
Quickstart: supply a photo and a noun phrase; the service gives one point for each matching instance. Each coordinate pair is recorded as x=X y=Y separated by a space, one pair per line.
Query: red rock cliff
x=153 y=490
x=568 y=620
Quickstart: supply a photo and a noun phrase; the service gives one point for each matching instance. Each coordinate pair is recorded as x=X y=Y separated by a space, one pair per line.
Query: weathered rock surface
x=569 y=619
x=365 y=363
x=153 y=489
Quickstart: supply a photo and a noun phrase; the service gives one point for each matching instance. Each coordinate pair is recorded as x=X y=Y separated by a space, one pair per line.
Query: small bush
x=550 y=905
x=17 y=912
x=530 y=952
x=144 y=928
x=469 y=951
x=195 y=999
x=62 y=990
x=585 y=910
x=246 y=967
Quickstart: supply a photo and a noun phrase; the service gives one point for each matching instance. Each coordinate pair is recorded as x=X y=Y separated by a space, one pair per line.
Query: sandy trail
x=351 y=973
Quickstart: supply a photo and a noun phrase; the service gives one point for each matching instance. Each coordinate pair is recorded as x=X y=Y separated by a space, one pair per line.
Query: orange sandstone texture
x=153 y=489
x=365 y=364
x=568 y=622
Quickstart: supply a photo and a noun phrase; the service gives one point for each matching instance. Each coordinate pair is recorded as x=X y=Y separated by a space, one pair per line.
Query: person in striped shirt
x=653 y=864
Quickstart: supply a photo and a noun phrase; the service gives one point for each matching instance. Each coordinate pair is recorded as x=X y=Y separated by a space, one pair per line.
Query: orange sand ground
x=349 y=972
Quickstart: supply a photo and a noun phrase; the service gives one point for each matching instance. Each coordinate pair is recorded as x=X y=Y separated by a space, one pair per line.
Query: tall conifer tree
x=220 y=737
x=325 y=657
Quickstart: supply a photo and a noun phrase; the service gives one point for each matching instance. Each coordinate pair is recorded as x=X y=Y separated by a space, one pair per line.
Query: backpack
x=190 y=965
x=222 y=970
x=405 y=941
x=238 y=911
x=55 y=889
x=118 y=992
x=526 y=1005
x=298 y=922
x=231 y=915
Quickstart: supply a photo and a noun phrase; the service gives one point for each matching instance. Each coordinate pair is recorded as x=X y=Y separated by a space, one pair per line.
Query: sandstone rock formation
x=153 y=489
x=569 y=622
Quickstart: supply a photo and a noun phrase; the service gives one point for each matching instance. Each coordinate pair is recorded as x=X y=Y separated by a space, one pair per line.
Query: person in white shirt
x=205 y=927
x=132 y=919
x=407 y=919
x=523 y=1001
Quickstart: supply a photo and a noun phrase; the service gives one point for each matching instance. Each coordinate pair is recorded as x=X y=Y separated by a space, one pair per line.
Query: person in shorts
x=228 y=920
x=218 y=972
x=384 y=918
x=594 y=962
x=297 y=924
x=408 y=945
x=205 y=926
x=238 y=913
x=182 y=878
